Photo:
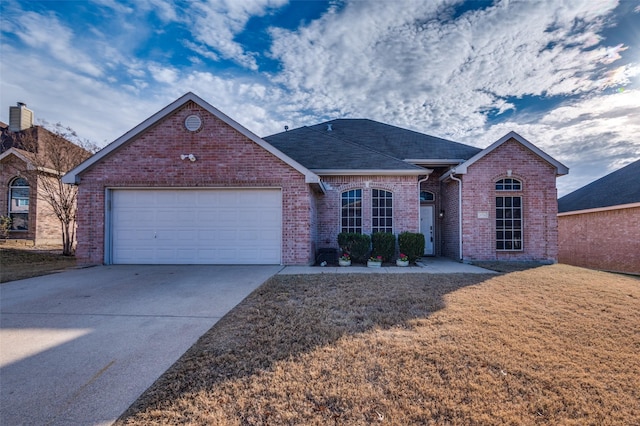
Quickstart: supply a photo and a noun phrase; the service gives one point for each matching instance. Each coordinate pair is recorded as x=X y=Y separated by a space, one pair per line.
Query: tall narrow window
x=19 y=204
x=351 y=212
x=508 y=223
x=381 y=211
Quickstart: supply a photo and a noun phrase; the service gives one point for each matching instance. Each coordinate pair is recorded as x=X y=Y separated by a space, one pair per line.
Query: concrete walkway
x=78 y=347
x=428 y=265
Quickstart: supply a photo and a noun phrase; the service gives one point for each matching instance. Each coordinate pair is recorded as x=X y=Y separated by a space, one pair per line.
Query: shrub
x=411 y=244
x=5 y=226
x=384 y=244
x=356 y=245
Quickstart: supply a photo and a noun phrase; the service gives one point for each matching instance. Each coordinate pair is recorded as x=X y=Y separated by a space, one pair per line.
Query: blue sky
x=563 y=74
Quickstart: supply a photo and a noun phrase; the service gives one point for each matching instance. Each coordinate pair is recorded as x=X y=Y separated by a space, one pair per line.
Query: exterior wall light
x=191 y=157
x=441 y=214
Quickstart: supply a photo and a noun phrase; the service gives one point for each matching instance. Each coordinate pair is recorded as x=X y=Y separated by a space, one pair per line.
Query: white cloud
x=50 y=37
x=217 y=23
x=167 y=75
x=412 y=63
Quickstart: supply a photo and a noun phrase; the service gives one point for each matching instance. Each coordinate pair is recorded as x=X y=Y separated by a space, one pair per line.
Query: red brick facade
x=539 y=199
x=608 y=239
x=405 y=202
x=229 y=156
x=225 y=158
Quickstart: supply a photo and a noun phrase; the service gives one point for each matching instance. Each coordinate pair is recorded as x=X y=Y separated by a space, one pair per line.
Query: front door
x=426 y=228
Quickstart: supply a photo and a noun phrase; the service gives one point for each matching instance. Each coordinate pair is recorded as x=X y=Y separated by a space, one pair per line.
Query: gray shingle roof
x=361 y=144
x=619 y=187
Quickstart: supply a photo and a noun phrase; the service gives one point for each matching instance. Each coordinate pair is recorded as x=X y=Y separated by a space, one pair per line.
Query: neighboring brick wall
x=539 y=198
x=225 y=158
x=405 y=202
x=607 y=240
x=44 y=227
x=48 y=227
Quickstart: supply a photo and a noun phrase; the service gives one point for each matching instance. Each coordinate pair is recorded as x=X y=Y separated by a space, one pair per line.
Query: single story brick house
x=25 y=170
x=599 y=224
x=191 y=185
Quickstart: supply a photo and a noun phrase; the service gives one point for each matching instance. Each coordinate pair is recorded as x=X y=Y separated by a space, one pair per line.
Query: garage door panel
x=196 y=226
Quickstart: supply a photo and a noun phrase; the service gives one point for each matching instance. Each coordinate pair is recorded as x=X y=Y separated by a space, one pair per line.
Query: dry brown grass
x=19 y=263
x=550 y=345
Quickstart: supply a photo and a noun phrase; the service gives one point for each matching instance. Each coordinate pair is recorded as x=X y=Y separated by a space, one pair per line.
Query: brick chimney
x=20 y=118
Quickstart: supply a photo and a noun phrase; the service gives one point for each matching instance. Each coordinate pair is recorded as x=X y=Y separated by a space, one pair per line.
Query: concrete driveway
x=78 y=347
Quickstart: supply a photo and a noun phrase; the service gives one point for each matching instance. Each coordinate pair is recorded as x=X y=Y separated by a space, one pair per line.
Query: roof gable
x=617 y=188
x=73 y=177
x=561 y=169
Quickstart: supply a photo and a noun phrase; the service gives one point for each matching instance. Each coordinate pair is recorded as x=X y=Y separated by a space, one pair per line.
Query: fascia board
x=12 y=151
x=29 y=163
x=73 y=178
x=371 y=172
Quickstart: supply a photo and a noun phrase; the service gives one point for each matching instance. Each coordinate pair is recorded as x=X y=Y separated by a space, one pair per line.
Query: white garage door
x=196 y=226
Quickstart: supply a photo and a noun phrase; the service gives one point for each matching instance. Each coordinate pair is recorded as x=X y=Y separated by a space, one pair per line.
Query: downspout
x=459 y=211
x=419 y=213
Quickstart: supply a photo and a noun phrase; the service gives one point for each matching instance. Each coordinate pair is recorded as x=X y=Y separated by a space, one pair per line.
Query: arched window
x=19 y=204
x=351 y=211
x=381 y=211
x=508 y=184
x=427 y=197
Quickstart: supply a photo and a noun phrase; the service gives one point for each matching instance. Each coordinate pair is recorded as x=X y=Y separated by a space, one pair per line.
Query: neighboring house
x=24 y=167
x=599 y=224
x=190 y=185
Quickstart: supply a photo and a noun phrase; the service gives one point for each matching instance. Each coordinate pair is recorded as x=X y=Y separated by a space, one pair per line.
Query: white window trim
x=393 y=211
x=521 y=223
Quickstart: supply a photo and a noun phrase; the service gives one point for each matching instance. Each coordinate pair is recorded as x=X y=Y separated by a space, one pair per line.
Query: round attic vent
x=192 y=123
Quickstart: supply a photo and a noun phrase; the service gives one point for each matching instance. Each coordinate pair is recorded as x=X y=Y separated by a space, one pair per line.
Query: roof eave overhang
x=371 y=172
x=435 y=162
x=73 y=176
x=600 y=209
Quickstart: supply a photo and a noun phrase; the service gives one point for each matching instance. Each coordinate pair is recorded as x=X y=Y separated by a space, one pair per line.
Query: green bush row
x=358 y=246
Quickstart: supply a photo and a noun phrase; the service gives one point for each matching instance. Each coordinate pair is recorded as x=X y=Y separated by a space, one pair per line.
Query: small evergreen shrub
x=411 y=244
x=5 y=226
x=384 y=244
x=356 y=245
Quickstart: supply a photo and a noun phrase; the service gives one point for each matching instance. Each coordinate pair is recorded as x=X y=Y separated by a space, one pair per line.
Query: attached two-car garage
x=194 y=226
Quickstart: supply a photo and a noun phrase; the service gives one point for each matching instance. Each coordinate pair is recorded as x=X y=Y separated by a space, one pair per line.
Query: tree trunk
x=67 y=240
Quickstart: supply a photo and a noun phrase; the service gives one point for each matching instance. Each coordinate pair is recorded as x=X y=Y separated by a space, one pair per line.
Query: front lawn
x=19 y=263
x=549 y=345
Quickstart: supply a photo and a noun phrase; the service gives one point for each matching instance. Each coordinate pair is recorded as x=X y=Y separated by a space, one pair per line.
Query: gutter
x=419 y=213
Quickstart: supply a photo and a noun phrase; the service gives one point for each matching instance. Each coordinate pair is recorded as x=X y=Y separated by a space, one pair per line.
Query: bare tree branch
x=50 y=155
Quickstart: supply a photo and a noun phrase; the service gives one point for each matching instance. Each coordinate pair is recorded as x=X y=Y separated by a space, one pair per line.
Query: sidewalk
x=427 y=265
